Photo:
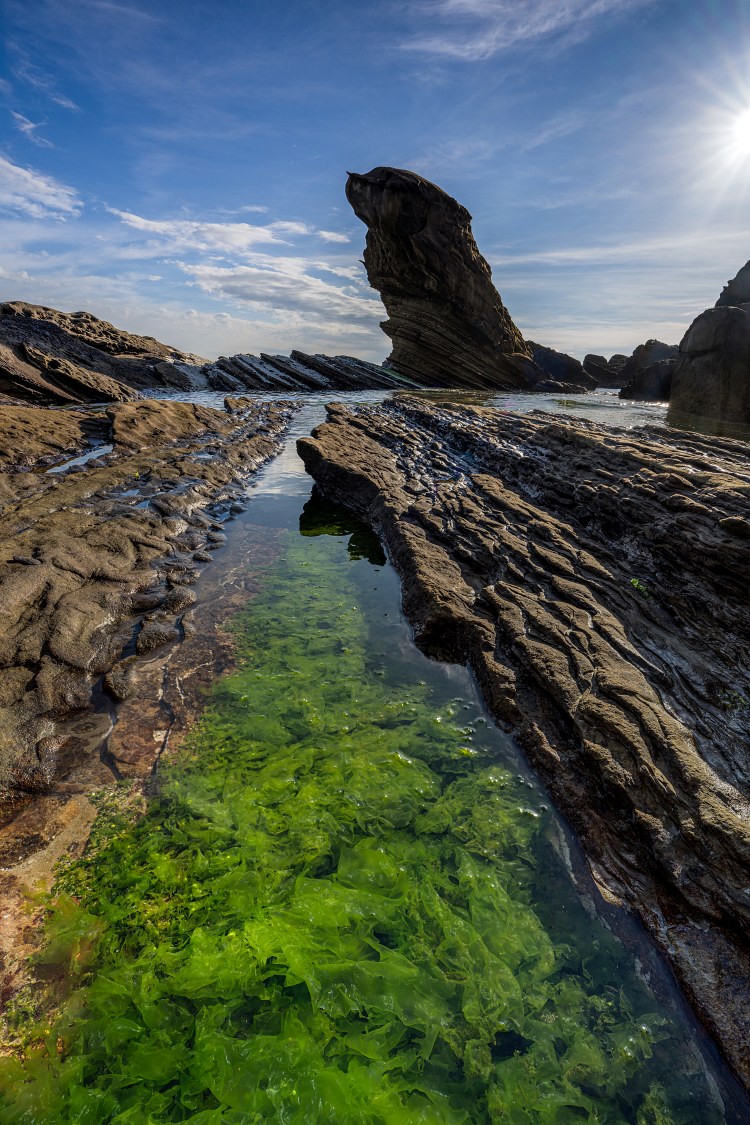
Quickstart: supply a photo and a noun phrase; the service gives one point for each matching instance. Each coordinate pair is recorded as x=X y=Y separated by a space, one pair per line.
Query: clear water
x=602 y=406
x=350 y=901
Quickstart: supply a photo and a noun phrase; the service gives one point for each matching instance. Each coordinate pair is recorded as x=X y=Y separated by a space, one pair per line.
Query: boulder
x=447 y=322
x=711 y=384
x=647 y=374
x=607 y=372
x=560 y=367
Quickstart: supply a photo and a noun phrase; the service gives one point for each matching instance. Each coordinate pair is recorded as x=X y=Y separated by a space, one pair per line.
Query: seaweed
x=328 y=915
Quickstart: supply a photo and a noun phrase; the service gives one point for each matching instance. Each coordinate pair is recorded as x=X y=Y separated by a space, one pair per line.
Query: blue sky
x=179 y=167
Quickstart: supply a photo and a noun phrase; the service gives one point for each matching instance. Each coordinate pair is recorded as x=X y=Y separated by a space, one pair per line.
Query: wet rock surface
x=96 y=564
x=446 y=320
x=596 y=581
x=94 y=687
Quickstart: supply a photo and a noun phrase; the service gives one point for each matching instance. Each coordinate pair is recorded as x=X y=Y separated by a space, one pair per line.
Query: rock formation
x=711 y=383
x=596 y=582
x=47 y=356
x=563 y=371
x=52 y=357
x=94 y=558
x=647 y=374
x=447 y=322
x=607 y=372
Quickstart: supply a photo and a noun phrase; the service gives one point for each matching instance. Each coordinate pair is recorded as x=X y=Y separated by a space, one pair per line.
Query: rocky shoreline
x=97 y=566
x=595 y=581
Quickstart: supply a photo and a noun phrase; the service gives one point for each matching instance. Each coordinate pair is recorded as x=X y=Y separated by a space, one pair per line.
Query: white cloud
x=333 y=236
x=28 y=128
x=479 y=29
x=191 y=234
x=32 y=193
x=286 y=286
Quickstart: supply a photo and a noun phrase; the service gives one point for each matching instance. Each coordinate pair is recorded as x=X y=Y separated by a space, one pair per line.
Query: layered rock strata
x=52 y=357
x=447 y=323
x=596 y=582
x=47 y=356
x=96 y=561
x=711 y=383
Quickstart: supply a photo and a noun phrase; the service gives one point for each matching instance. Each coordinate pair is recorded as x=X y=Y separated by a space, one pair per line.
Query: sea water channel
x=350 y=901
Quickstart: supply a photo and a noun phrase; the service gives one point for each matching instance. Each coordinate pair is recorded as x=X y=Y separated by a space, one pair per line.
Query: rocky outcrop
x=52 y=357
x=298 y=372
x=647 y=375
x=596 y=582
x=562 y=371
x=607 y=372
x=95 y=559
x=711 y=384
x=47 y=356
x=448 y=325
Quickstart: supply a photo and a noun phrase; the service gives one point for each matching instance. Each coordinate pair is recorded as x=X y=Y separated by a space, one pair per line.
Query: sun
x=741 y=134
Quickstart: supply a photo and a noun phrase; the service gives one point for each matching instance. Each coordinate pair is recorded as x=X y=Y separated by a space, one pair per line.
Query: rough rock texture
x=299 y=372
x=711 y=384
x=607 y=372
x=47 y=356
x=52 y=356
x=596 y=581
x=559 y=367
x=95 y=558
x=447 y=322
x=647 y=375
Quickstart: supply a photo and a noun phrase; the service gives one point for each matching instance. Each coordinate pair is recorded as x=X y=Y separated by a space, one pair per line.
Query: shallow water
x=350 y=901
x=603 y=406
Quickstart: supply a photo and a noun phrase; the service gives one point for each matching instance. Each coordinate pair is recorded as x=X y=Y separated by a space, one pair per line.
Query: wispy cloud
x=285 y=286
x=175 y=235
x=42 y=82
x=28 y=192
x=562 y=125
x=333 y=236
x=29 y=130
x=478 y=29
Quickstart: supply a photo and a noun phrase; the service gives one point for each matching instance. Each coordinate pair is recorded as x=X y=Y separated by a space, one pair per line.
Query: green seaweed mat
x=328 y=915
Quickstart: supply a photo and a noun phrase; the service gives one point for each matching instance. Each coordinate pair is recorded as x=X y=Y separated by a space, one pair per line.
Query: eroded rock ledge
x=96 y=563
x=596 y=581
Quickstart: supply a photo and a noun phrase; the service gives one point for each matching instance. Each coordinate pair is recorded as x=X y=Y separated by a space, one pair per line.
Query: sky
x=178 y=166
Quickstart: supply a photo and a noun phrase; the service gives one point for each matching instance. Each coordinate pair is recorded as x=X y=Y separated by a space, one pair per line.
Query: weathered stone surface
x=447 y=322
x=711 y=384
x=590 y=578
x=84 y=555
x=647 y=374
x=51 y=356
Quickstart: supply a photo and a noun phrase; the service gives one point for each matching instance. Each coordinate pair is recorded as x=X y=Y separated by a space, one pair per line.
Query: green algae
x=330 y=912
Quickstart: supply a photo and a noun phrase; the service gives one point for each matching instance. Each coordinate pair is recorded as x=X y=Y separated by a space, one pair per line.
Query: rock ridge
x=594 y=579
